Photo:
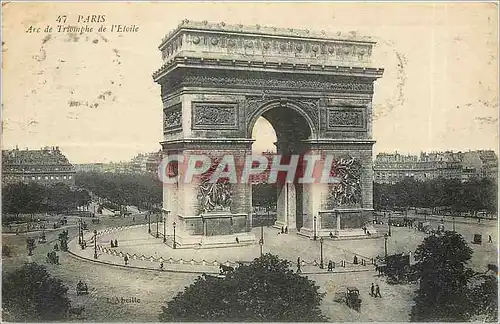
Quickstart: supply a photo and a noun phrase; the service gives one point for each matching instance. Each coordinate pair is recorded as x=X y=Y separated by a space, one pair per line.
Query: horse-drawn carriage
x=352 y=298
x=52 y=257
x=81 y=288
x=42 y=238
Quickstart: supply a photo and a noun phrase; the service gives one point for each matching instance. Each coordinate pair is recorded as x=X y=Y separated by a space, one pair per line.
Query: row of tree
x=141 y=190
x=32 y=198
x=470 y=196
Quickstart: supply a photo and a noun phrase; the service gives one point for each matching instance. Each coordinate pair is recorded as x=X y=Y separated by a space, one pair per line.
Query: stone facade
x=390 y=168
x=315 y=90
x=45 y=166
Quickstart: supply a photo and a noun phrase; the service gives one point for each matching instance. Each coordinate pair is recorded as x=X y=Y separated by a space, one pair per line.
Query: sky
x=93 y=95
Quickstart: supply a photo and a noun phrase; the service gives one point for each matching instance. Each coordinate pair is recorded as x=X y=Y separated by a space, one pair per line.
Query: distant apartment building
x=90 y=167
x=141 y=163
x=46 y=166
x=145 y=163
x=394 y=167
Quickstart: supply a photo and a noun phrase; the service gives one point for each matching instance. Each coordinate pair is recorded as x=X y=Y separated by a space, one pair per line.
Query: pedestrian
x=282 y=230
x=372 y=290
x=298 y=265
x=286 y=229
x=116 y=243
x=112 y=244
x=331 y=235
x=126 y=260
x=377 y=292
x=237 y=240
x=161 y=265
x=364 y=229
x=489 y=239
x=355 y=261
x=133 y=219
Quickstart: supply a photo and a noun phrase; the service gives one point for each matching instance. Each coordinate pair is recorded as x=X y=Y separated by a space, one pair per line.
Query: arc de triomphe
x=315 y=90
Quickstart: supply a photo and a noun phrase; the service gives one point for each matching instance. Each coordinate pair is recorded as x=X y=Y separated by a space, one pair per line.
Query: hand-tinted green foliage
x=30 y=294
x=446 y=288
x=266 y=290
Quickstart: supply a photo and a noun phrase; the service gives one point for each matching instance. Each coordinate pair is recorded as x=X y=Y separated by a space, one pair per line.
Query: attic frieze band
x=271 y=46
x=184 y=62
x=318 y=83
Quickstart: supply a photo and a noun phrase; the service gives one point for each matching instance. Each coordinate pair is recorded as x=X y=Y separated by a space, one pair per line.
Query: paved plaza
x=153 y=288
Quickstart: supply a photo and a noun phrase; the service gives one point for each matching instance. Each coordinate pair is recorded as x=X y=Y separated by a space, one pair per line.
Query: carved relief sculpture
x=350 y=118
x=172 y=118
x=216 y=196
x=214 y=115
x=346 y=193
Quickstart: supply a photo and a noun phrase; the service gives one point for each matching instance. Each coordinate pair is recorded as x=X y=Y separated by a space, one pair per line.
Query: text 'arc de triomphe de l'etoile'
x=316 y=91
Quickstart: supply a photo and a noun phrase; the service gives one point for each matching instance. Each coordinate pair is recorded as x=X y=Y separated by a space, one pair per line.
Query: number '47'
x=61 y=19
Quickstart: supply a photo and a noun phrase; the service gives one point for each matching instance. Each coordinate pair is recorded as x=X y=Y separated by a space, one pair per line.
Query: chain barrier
x=121 y=254
x=363 y=261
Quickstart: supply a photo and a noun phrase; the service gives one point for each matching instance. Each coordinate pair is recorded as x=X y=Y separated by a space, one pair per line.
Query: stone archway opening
x=291 y=129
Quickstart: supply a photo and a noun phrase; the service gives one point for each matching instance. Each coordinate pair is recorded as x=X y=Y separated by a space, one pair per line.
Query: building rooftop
x=44 y=156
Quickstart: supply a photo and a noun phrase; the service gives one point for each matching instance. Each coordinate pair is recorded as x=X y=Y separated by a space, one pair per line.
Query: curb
x=136 y=267
x=196 y=272
x=73 y=254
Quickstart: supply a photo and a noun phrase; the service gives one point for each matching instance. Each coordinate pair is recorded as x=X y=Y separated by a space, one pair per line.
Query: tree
x=264 y=195
x=264 y=290
x=483 y=297
x=30 y=294
x=441 y=268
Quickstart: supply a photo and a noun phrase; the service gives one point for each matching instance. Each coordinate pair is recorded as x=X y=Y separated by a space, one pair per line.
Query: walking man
x=298 y=265
x=126 y=260
x=489 y=239
x=377 y=292
x=372 y=290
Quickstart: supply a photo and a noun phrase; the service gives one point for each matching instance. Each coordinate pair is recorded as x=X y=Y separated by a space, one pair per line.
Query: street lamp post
x=157 y=224
x=164 y=229
x=95 y=244
x=386 y=237
x=149 y=222
x=389 y=223
x=453 y=223
x=321 y=265
x=80 y=231
x=314 y=227
x=261 y=241
x=175 y=244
